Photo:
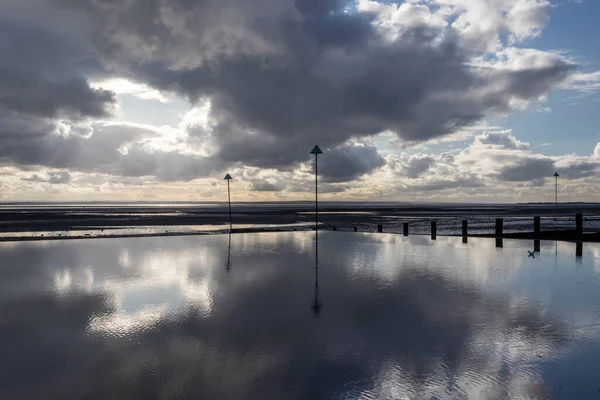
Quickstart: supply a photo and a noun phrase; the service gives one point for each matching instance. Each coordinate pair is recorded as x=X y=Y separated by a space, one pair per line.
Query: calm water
x=211 y=317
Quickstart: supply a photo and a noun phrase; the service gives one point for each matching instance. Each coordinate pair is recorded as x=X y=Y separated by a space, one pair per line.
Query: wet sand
x=53 y=222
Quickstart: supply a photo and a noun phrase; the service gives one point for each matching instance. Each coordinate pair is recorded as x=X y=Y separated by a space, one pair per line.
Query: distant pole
x=316 y=151
x=228 y=178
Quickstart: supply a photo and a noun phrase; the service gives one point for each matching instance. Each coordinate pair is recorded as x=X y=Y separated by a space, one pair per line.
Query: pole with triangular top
x=316 y=151
x=556 y=188
x=228 y=178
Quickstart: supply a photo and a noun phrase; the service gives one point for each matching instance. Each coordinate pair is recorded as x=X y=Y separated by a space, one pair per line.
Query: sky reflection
x=233 y=317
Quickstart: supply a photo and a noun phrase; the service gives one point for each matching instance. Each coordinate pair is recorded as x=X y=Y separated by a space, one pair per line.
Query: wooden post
x=334 y=228
x=537 y=226
x=405 y=228
x=499 y=223
x=579 y=224
x=579 y=249
x=379 y=228
x=499 y=242
x=536 y=245
x=355 y=229
x=433 y=229
x=465 y=239
x=465 y=224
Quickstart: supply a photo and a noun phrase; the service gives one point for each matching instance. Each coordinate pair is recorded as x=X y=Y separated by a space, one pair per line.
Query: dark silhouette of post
x=579 y=224
x=499 y=227
x=499 y=242
x=316 y=151
x=355 y=229
x=405 y=228
x=434 y=230
x=228 y=178
x=465 y=225
x=537 y=226
x=316 y=306
x=556 y=175
x=536 y=245
x=379 y=228
x=579 y=249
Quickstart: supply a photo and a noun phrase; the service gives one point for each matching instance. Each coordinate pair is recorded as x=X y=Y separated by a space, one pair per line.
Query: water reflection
x=316 y=305
x=406 y=318
x=228 y=267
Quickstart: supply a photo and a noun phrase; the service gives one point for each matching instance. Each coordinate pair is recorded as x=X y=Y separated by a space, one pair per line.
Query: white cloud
x=585 y=83
x=125 y=86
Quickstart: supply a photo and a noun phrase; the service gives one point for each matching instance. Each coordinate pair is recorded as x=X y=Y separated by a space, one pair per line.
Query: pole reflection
x=228 y=267
x=317 y=305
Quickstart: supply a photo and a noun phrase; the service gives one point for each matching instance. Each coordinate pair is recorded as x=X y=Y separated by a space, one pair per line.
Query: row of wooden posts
x=499 y=232
x=499 y=226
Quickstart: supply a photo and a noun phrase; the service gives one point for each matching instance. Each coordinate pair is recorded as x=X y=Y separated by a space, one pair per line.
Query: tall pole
x=228 y=178
x=316 y=151
x=316 y=192
x=229 y=201
x=556 y=189
x=556 y=194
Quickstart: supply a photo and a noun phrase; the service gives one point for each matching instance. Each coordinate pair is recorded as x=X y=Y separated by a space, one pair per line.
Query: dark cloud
x=349 y=162
x=44 y=73
x=282 y=75
x=264 y=186
x=309 y=187
x=113 y=149
x=98 y=151
x=578 y=168
x=527 y=169
x=55 y=178
x=460 y=183
x=165 y=165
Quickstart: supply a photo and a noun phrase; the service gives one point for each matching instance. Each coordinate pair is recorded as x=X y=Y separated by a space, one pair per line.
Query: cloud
x=411 y=166
x=527 y=169
x=437 y=185
x=267 y=80
x=124 y=86
x=585 y=83
x=43 y=73
x=264 y=186
x=282 y=75
x=55 y=178
x=571 y=167
x=111 y=148
x=58 y=178
x=349 y=162
x=504 y=139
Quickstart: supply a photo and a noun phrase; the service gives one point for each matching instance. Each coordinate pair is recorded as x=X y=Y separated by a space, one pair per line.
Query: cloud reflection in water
x=164 y=318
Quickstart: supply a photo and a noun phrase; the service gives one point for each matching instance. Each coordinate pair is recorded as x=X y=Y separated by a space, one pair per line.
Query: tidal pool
x=274 y=316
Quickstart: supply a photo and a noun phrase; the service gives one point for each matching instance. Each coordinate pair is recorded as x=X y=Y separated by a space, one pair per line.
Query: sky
x=417 y=100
